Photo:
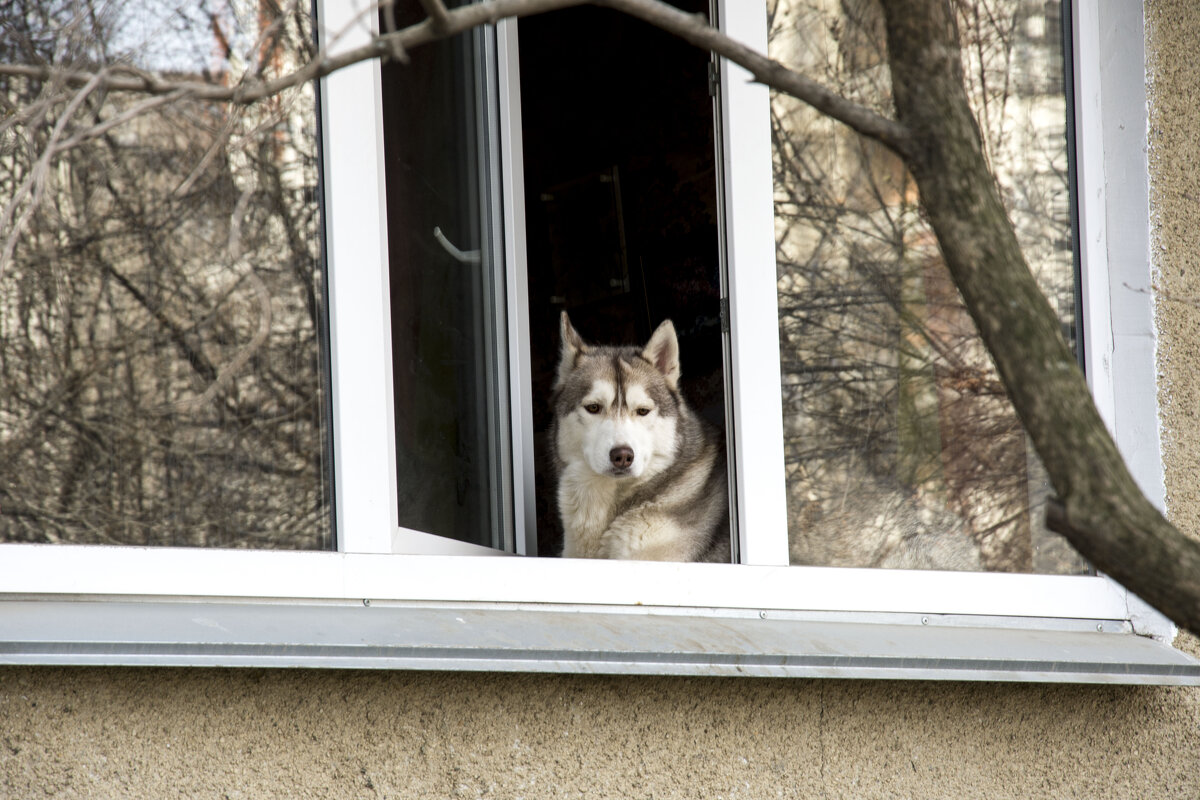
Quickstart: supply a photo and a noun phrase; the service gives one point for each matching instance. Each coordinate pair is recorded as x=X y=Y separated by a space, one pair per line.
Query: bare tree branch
x=126 y=78
x=1100 y=508
x=31 y=189
x=397 y=52
x=697 y=31
x=229 y=370
x=438 y=15
x=438 y=25
x=442 y=24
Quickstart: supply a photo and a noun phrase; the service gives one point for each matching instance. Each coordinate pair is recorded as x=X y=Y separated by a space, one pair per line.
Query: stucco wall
x=253 y=734
x=1174 y=90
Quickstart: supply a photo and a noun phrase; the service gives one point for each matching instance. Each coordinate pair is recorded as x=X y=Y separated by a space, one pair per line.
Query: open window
x=612 y=167
x=463 y=208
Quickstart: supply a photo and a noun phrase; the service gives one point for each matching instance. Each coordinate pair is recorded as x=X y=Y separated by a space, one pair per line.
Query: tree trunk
x=1101 y=510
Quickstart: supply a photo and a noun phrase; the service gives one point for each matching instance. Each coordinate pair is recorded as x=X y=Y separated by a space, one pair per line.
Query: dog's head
x=617 y=407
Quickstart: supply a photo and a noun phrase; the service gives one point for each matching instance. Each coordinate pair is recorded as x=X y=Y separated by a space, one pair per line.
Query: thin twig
x=35 y=183
x=398 y=53
x=438 y=14
x=439 y=26
x=697 y=31
x=441 y=23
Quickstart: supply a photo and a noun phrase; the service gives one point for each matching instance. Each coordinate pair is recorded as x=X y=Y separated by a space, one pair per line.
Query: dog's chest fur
x=587 y=505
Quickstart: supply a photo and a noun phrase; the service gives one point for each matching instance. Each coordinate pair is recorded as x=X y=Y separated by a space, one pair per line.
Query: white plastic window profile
x=380 y=602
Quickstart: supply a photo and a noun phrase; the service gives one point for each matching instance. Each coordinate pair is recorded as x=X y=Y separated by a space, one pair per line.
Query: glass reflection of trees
x=161 y=378
x=902 y=449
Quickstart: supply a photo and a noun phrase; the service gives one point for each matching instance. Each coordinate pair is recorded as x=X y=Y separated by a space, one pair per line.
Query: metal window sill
x=581 y=639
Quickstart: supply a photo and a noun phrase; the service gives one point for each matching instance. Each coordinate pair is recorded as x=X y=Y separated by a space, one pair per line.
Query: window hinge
x=714 y=78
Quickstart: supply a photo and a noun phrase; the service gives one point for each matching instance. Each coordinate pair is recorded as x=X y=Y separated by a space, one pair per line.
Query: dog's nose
x=621 y=456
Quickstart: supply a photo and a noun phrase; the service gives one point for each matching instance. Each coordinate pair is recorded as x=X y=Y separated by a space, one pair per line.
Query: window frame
x=380 y=566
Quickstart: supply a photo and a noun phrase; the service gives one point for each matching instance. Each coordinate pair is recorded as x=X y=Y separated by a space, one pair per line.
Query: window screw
x=762 y=615
x=924 y=620
x=1100 y=627
x=366 y=602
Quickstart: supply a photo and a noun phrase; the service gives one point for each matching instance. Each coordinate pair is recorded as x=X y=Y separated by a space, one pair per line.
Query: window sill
x=581 y=639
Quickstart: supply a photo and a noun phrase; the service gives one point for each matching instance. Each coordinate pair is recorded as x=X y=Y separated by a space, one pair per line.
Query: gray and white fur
x=639 y=474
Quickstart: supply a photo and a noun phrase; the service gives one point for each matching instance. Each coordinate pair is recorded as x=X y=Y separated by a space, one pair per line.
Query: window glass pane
x=902 y=448
x=162 y=377
x=446 y=297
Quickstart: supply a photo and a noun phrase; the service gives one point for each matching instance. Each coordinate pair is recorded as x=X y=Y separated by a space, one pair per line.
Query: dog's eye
x=592 y=408
x=641 y=412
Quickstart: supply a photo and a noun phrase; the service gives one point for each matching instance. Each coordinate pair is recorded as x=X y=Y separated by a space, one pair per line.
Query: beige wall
x=1173 y=48
x=253 y=734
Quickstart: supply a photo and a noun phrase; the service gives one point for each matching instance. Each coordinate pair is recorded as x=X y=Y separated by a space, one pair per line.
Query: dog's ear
x=663 y=352
x=572 y=347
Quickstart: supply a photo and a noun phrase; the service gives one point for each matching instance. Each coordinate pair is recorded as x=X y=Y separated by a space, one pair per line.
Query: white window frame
x=396 y=598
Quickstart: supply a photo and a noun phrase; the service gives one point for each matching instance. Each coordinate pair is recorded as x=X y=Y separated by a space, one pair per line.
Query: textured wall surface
x=318 y=734
x=149 y=733
x=1173 y=47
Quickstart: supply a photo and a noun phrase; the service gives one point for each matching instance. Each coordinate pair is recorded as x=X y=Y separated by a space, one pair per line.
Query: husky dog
x=640 y=476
